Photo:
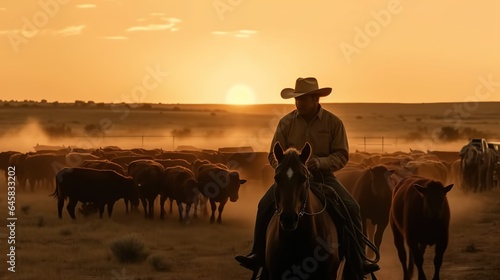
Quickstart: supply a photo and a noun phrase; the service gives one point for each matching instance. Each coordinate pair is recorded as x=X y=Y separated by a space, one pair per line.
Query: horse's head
x=292 y=185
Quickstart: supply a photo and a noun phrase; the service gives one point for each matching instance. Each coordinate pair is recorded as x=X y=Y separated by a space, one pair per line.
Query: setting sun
x=240 y=95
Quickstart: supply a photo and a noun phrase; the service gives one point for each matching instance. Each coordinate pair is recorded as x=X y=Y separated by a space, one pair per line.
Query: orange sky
x=190 y=52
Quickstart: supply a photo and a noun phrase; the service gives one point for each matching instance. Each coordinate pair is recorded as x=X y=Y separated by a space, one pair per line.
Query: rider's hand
x=312 y=164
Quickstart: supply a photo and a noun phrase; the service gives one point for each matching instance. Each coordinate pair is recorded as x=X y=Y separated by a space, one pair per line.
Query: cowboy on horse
x=325 y=132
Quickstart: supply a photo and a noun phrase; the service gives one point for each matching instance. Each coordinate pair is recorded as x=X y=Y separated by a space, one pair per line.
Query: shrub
x=129 y=249
x=159 y=263
x=471 y=248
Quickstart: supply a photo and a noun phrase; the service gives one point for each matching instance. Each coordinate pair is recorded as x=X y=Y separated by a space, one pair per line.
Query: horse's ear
x=278 y=151
x=305 y=153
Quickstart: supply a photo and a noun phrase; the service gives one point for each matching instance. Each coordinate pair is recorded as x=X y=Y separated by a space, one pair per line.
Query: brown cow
x=373 y=191
x=420 y=216
x=218 y=184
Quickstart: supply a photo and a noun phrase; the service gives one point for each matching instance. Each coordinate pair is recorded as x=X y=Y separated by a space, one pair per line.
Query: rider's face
x=307 y=105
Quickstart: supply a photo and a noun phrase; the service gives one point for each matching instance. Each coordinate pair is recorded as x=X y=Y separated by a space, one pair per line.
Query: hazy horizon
x=241 y=105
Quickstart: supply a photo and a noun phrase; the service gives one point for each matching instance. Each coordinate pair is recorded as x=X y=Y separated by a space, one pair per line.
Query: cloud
x=242 y=33
x=85 y=6
x=172 y=25
x=150 y=27
x=115 y=37
x=70 y=30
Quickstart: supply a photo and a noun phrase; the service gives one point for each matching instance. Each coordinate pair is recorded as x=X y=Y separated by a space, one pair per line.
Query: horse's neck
x=314 y=212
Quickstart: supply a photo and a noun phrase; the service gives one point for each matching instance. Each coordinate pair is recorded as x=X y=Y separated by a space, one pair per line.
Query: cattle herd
x=406 y=190
x=98 y=178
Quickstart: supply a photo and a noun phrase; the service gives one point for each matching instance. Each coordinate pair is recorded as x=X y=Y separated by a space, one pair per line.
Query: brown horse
x=302 y=240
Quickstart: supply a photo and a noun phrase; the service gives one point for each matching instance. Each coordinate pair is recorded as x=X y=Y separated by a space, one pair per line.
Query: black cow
x=148 y=177
x=92 y=186
x=180 y=185
x=104 y=164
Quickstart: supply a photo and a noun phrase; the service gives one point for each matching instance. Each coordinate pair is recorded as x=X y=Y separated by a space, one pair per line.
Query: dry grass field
x=49 y=248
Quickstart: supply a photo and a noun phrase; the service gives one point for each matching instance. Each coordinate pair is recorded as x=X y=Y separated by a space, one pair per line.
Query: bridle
x=303 y=211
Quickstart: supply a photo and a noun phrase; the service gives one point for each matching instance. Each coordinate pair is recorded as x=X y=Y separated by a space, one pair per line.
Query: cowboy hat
x=305 y=86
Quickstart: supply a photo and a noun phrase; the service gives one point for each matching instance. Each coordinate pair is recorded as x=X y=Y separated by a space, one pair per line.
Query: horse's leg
x=212 y=218
x=221 y=208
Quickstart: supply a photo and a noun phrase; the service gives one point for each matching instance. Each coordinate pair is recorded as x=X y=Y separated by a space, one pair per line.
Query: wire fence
x=169 y=142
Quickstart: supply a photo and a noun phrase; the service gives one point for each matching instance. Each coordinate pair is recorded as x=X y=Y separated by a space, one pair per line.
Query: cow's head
x=234 y=185
x=435 y=202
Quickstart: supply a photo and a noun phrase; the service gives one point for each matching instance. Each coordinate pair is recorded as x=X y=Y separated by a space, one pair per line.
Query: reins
x=304 y=202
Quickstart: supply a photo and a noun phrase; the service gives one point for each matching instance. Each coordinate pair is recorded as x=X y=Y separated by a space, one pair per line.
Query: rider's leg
x=265 y=211
x=355 y=215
